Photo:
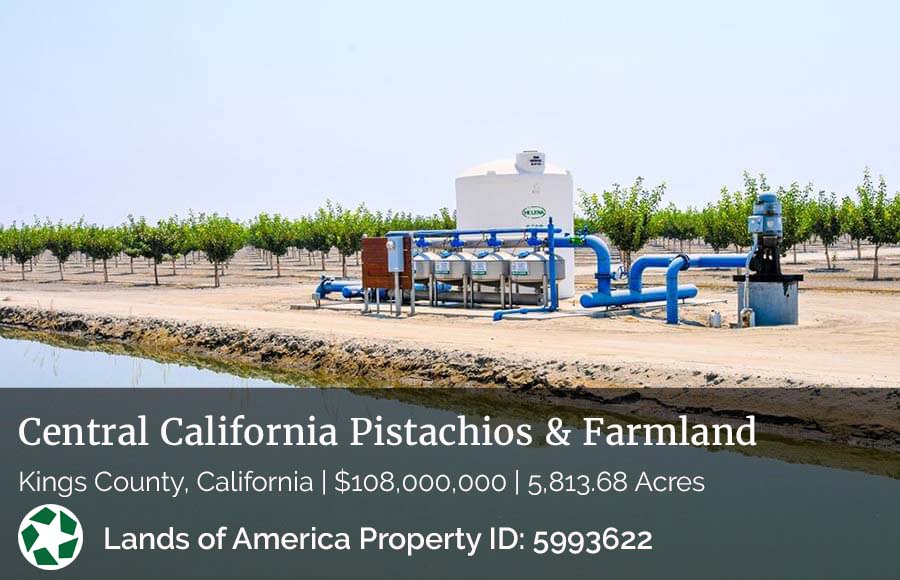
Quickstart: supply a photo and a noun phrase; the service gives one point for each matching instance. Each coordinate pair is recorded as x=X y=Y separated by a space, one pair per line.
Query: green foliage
x=796 y=214
x=131 y=234
x=219 y=238
x=628 y=216
x=878 y=215
x=26 y=243
x=825 y=221
x=157 y=242
x=625 y=215
x=271 y=233
x=736 y=206
x=714 y=227
x=851 y=220
x=672 y=223
x=61 y=240
x=5 y=244
x=102 y=243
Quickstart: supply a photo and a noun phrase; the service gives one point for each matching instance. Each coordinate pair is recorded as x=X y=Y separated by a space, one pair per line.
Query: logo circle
x=533 y=212
x=50 y=537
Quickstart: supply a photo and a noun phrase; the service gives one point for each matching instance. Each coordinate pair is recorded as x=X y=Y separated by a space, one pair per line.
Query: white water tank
x=519 y=192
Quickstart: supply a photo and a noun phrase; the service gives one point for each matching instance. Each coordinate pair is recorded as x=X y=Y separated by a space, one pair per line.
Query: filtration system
x=529 y=266
x=476 y=267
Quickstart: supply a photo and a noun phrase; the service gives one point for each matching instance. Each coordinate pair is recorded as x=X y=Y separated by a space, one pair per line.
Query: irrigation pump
x=766 y=296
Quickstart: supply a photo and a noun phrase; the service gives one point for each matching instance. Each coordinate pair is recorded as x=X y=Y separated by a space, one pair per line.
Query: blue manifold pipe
x=357 y=291
x=684 y=262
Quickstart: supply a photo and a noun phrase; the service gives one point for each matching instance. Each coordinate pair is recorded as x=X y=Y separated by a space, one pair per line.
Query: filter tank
x=520 y=192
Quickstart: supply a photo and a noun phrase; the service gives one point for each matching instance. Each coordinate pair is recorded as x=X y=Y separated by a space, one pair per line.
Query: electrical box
x=395 y=253
x=755 y=224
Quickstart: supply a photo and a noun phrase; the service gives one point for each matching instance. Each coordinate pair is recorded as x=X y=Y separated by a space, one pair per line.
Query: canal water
x=757 y=516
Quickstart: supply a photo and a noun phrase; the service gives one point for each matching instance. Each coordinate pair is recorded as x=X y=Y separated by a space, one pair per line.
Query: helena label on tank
x=442 y=267
x=479 y=268
x=518 y=268
x=534 y=212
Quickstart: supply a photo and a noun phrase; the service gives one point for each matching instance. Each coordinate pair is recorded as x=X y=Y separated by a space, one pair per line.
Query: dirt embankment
x=862 y=417
x=359 y=361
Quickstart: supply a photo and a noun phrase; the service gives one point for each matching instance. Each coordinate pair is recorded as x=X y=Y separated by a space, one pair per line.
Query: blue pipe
x=636 y=273
x=604 y=261
x=328 y=285
x=551 y=249
x=697 y=261
x=451 y=233
x=625 y=297
x=357 y=292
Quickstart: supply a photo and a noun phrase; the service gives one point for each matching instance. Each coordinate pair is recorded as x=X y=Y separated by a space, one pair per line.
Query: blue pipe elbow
x=636 y=273
x=626 y=297
x=604 y=261
x=698 y=261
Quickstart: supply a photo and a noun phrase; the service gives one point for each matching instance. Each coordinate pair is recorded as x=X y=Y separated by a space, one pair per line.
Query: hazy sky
x=155 y=107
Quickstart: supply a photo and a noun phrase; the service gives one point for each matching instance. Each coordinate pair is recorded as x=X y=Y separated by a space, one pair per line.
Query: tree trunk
x=23 y=271
x=216 y=274
x=795 y=253
x=875 y=271
x=131 y=260
x=858 y=249
x=827 y=257
x=343 y=266
x=155 y=274
x=93 y=265
x=278 y=266
x=174 y=273
x=60 y=269
x=323 y=261
x=105 y=272
x=185 y=261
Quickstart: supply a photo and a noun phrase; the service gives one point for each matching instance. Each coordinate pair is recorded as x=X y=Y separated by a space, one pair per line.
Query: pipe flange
x=687 y=261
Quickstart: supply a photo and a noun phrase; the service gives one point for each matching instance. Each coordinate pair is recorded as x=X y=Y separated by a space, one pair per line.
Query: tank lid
x=521 y=164
x=530 y=161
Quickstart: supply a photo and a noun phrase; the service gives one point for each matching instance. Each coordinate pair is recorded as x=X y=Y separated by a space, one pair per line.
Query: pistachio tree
x=825 y=221
x=61 y=240
x=852 y=224
x=102 y=243
x=349 y=229
x=26 y=243
x=157 y=242
x=714 y=226
x=274 y=234
x=877 y=215
x=624 y=214
x=219 y=238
